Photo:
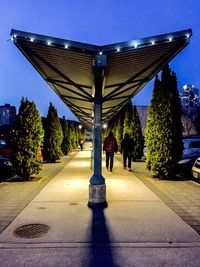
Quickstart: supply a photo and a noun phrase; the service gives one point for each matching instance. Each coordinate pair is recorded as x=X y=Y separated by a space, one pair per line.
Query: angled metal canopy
x=68 y=67
x=96 y=81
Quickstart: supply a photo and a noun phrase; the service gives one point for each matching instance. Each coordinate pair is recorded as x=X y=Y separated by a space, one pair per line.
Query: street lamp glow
x=32 y=39
x=135 y=45
x=80 y=126
x=118 y=49
x=187 y=35
x=152 y=42
x=66 y=46
x=49 y=42
x=170 y=39
x=100 y=53
x=105 y=126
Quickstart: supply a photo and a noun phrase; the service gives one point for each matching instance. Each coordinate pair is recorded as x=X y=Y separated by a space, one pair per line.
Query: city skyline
x=96 y=23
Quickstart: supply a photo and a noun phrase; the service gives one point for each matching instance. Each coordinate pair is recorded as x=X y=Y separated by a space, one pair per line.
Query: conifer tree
x=65 y=142
x=119 y=132
x=176 y=110
x=53 y=136
x=136 y=134
x=73 y=136
x=128 y=120
x=163 y=132
x=105 y=133
x=78 y=134
x=29 y=135
x=70 y=136
x=151 y=127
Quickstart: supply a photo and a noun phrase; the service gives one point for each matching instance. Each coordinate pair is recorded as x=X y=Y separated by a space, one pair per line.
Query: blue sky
x=95 y=22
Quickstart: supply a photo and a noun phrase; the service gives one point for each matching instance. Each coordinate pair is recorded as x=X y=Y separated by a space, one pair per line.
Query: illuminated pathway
x=136 y=229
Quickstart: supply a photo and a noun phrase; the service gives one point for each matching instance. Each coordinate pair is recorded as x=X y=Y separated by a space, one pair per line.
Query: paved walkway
x=15 y=195
x=182 y=196
x=142 y=225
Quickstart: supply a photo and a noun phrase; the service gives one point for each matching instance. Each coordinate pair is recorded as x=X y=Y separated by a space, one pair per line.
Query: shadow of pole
x=100 y=252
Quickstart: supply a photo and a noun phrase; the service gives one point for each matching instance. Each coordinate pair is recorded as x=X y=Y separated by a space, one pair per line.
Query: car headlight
x=7 y=163
x=183 y=161
x=197 y=163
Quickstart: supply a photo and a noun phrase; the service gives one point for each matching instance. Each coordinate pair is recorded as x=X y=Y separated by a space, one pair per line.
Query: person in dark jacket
x=110 y=146
x=81 y=143
x=127 y=146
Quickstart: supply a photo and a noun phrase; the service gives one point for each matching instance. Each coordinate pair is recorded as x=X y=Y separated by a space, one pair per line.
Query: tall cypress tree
x=163 y=139
x=136 y=134
x=65 y=142
x=53 y=136
x=119 y=132
x=29 y=135
x=176 y=111
x=70 y=136
x=151 y=127
x=73 y=136
x=128 y=120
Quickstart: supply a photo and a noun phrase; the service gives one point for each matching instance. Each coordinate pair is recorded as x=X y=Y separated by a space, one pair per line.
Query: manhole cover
x=31 y=230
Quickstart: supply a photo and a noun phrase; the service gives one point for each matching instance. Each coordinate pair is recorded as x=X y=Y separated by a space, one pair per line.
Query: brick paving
x=15 y=195
x=182 y=196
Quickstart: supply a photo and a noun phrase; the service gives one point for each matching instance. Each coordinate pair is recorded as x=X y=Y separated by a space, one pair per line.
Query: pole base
x=97 y=195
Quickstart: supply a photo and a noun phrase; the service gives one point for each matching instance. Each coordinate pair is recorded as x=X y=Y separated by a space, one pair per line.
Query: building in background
x=7 y=114
x=189 y=96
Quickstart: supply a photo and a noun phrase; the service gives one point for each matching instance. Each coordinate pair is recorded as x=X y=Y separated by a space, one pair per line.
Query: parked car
x=191 y=145
x=6 y=168
x=6 y=149
x=184 y=166
x=196 y=169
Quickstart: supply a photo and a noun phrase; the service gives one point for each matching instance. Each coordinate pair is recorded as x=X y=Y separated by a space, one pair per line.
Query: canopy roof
x=68 y=67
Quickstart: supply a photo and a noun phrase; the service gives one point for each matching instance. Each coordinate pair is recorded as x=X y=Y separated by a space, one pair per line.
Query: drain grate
x=31 y=230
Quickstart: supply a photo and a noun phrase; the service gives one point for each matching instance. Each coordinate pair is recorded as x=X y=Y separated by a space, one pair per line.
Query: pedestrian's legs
x=129 y=161
x=107 y=159
x=111 y=160
x=124 y=159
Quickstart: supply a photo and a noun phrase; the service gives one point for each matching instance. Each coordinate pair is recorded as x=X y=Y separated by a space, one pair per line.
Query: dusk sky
x=96 y=22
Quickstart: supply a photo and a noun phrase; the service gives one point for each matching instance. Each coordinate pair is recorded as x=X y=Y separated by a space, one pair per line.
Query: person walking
x=127 y=146
x=110 y=146
x=81 y=143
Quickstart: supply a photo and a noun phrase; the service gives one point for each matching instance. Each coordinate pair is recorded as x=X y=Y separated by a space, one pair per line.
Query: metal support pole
x=97 y=187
